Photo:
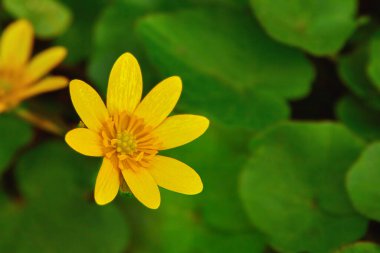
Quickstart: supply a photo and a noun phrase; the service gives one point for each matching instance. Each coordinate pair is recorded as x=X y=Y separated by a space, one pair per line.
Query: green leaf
x=8 y=219
x=15 y=134
x=249 y=59
x=57 y=214
x=374 y=61
x=360 y=118
x=49 y=17
x=37 y=172
x=212 y=221
x=78 y=37
x=224 y=149
x=293 y=187
x=231 y=70
x=111 y=39
x=363 y=182
x=178 y=227
x=235 y=243
x=321 y=27
x=360 y=247
x=352 y=70
x=201 y=223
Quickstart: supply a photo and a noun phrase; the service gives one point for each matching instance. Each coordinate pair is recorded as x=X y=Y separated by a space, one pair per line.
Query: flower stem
x=38 y=121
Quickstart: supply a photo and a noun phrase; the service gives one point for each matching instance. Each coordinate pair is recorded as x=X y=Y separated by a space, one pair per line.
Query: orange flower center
x=9 y=79
x=10 y=86
x=128 y=142
x=5 y=84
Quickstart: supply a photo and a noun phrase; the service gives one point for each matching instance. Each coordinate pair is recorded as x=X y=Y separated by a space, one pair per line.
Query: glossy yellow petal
x=16 y=44
x=175 y=176
x=107 y=183
x=160 y=101
x=85 y=141
x=47 y=84
x=88 y=105
x=124 y=85
x=143 y=187
x=43 y=62
x=180 y=129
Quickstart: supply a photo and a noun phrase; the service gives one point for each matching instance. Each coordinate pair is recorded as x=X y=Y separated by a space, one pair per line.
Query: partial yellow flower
x=20 y=76
x=129 y=134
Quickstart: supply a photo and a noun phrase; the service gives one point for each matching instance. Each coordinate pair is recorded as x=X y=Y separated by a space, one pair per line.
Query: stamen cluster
x=128 y=141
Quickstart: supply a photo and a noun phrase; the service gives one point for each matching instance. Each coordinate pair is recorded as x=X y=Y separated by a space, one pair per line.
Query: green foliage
x=244 y=65
x=112 y=39
x=359 y=117
x=56 y=206
x=353 y=71
x=293 y=187
x=219 y=200
x=179 y=219
x=50 y=18
x=374 y=62
x=254 y=68
x=242 y=85
x=213 y=222
x=15 y=134
x=78 y=37
x=363 y=182
x=321 y=27
x=361 y=247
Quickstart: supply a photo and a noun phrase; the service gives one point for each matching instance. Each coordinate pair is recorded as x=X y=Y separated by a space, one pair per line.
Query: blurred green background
x=290 y=163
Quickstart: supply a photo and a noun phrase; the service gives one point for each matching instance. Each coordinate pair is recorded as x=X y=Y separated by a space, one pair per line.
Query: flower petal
x=107 y=183
x=175 y=176
x=47 y=84
x=43 y=62
x=160 y=101
x=88 y=105
x=16 y=44
x=124 y=85
x=85 y=141
x=180 y=129
x=143 y=187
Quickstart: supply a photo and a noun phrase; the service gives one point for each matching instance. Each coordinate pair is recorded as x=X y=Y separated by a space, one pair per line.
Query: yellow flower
x=20 y=76
x=129 y=133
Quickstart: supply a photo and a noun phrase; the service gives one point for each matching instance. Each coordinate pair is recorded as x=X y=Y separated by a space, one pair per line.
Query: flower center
x=11 y=84
x=128 y=142
x=4 y=86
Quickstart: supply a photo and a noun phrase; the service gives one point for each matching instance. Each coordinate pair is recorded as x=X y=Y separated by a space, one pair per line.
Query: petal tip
x=197 y=186
x=100 y=202
x=205 y=122
x=68 y=138
x=24 y=23
x=61 y=51
x=154 y=206
x=176 y=80
x=65 y=80
x=200 y=188
x=62 y=80
x=127 y=56
x=75 y=84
